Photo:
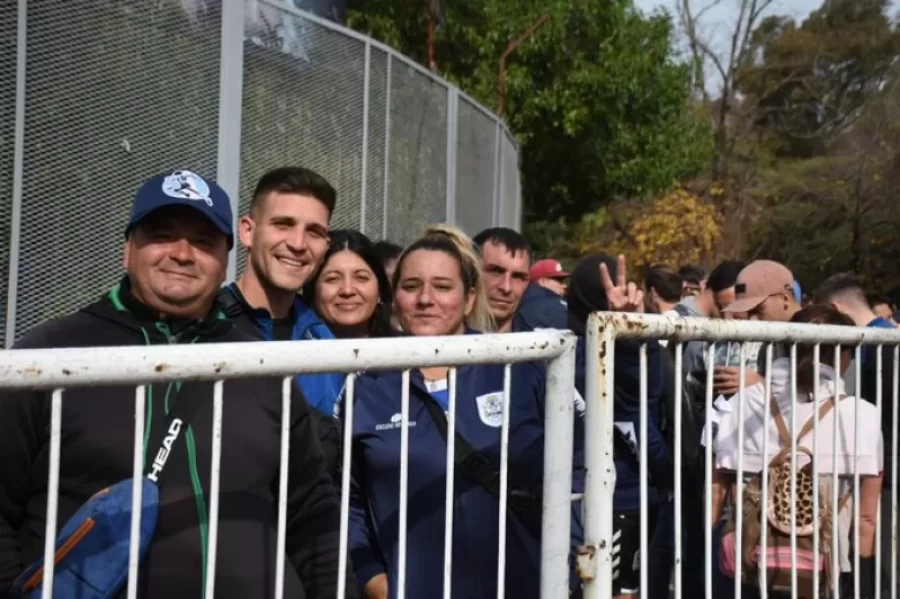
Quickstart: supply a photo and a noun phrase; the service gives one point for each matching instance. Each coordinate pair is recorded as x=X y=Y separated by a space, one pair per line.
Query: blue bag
x=92 y=548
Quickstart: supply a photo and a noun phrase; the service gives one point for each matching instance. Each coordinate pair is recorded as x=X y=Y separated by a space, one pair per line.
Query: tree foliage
x=594 y=97
x=825 y=94
x=809 y=82
x=678 y=227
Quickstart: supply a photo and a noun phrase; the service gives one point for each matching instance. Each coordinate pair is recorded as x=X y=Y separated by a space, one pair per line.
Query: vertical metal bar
x=501 y=183
x=793 y=441
x=600 y=471
x=495 y=212
x=137 y=487
x=504 y=482
x=739 y=481
x=894 y=423
x=764 y=521
x=559 y=418
x=231 y=84
x=815 y=465
x=835 y=545
x=387 y=150
x=708 y=467
x=364 y=174
x=52 y=492
x=878 y=522
x=451 y=473
x=643 y=414
x=15 y=221
x=283 y=479
x=856 y=434
x=346 y=467
x=215 y=469
x=452 y=136
x=679 y=349
x=404 y=485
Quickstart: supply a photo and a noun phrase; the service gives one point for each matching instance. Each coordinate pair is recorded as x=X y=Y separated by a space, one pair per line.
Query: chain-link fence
x=96 y=96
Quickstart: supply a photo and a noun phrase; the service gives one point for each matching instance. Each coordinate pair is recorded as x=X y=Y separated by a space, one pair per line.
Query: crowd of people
x=305 y=281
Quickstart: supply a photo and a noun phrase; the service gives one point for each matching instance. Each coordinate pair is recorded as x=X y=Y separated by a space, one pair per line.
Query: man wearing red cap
x=543 y=306
x=549 y=274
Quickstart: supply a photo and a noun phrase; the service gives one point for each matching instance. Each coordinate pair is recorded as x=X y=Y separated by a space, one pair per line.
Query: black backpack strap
x=229 y=302
x=527 y=506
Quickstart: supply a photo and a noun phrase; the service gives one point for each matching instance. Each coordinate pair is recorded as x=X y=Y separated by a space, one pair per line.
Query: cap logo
x=740 y=288
x=558 y=267
x=186 y=185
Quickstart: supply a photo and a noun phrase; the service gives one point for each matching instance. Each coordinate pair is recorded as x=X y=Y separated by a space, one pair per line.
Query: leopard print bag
x=777 y=527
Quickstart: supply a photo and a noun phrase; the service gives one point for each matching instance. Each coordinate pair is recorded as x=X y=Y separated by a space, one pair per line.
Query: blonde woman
x=438 y=291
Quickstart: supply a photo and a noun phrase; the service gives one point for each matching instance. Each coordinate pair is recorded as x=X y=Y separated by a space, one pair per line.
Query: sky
x=727 y=10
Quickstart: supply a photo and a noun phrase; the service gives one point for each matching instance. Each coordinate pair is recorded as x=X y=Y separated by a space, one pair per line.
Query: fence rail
x=604 y=330
x=59 y=369
x=96 y=97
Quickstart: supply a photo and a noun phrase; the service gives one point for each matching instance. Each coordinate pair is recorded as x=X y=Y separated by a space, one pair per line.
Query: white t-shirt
x=835 y=456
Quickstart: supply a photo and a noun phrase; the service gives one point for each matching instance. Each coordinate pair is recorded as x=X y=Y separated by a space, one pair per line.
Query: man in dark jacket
x=599 y=284
x=543 y=305
x=176 y=249
x=286 y=234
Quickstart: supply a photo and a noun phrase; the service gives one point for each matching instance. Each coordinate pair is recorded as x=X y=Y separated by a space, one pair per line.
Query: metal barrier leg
x=556 y=525
x=595 y=557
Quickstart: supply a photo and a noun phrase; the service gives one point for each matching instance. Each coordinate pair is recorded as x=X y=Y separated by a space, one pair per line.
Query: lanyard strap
x=164 y=441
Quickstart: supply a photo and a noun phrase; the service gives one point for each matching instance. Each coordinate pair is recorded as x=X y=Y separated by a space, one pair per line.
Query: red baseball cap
x=547 y=269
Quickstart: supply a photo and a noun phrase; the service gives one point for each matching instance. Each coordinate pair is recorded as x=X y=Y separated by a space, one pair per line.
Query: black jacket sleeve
x=313 y=511
x=22 y=426
x=329 y=434
x=24 y=433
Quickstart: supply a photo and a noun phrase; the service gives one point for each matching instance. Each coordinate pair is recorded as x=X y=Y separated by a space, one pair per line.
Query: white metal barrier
x=604 y=329
x=58 y=369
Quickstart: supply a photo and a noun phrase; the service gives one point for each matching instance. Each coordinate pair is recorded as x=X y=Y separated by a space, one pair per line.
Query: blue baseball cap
x=184 y=188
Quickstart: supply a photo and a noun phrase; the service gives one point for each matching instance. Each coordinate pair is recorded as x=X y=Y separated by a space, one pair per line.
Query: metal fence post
x=452 y=141
x=557 y=512
x=15 y=221
x=231 y=83
x=364 y=171
x=387 y=149
x=495 y=203
x=595 y=557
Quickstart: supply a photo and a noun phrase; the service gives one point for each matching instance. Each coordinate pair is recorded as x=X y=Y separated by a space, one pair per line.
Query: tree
x=595 y=97
x=725 y=65
x=837 y=212
x=809 y=83
x=678 y=227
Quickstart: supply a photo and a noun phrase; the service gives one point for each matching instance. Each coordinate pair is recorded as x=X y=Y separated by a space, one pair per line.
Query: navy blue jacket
x=627 y=495
x=322 y=391
x=540 y=309
x=374 y=499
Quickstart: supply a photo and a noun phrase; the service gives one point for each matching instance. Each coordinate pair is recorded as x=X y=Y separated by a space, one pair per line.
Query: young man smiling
x=286 y=234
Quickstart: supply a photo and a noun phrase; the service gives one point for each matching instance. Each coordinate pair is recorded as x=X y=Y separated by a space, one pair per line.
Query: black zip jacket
x=240 y=312
x=97 y=451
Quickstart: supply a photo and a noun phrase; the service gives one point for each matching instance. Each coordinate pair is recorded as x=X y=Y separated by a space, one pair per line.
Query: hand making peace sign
x=621 y=296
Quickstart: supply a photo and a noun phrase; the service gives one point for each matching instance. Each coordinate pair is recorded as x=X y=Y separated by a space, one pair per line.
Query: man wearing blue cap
x=176 y=253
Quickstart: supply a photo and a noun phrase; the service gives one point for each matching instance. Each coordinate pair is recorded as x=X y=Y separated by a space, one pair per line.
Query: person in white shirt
x=835 y=455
